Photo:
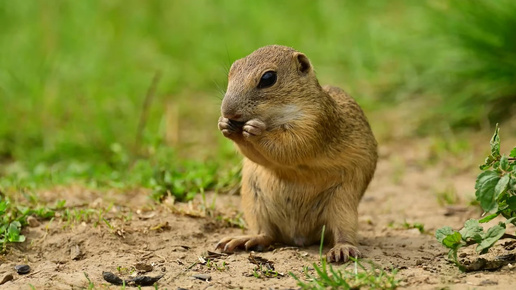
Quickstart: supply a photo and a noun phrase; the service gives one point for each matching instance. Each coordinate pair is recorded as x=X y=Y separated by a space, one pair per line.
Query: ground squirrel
x=309 y=153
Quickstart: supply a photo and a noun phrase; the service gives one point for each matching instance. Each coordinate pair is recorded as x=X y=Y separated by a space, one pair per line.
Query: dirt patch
x=175 y=241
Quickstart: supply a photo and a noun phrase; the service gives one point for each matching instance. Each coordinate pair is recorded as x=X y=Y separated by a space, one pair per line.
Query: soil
x=174 y=238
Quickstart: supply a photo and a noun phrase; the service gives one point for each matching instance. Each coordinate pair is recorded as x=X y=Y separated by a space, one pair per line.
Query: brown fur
x=309 y=153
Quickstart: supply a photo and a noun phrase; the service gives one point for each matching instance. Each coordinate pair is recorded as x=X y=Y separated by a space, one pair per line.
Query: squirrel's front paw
x=230 y=128
x=257 y=242
x=253 y=127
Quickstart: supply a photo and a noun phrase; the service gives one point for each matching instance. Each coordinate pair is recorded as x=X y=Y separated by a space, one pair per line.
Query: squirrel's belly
x=297 y=233
x=296 y=225
x=292 y=213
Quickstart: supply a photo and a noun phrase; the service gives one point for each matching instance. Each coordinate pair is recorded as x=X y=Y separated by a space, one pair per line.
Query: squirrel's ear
x=303 y=64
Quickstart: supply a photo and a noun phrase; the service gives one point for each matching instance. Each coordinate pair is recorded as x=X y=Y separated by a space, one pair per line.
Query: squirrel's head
x=272 y=82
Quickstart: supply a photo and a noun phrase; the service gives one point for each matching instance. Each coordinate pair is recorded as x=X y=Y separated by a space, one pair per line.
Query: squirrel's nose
x=230 y=111
x=233 y=116
x=230 y=108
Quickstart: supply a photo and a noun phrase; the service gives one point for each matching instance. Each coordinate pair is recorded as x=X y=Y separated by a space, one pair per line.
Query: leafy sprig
x=13 y=218
x=496 y=192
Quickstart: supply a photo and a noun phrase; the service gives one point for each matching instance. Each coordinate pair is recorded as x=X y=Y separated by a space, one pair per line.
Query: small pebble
x=33 y=222
x=75 y=252
x=204 y=277
x=22 y=269
x=142 y=267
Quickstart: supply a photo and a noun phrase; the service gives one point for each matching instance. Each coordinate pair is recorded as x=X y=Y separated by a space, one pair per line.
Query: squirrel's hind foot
x=341 y=253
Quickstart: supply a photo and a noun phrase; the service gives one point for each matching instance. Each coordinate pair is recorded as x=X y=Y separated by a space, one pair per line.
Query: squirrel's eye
x=267 y=80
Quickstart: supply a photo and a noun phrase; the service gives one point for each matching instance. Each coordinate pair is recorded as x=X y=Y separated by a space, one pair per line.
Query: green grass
x=472 y=79
x=329 y=277
x=74 y=78
x=74 y=75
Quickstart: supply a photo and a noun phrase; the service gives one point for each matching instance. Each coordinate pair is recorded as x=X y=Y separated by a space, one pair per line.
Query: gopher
x=309 y=153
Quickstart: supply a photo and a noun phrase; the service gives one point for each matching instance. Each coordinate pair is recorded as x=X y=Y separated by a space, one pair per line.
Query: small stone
x=33 y=222
x=142 y=267
x=22 y=269
x=75 y=252
x=204 y=277
x=6 y=278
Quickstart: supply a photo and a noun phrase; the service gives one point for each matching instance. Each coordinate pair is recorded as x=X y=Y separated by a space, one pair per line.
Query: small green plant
x=13 y=218
x=78 y=215
x=12 y=233
x=125 y=270
x=406 y=225
x=330 y=278
x=448 y=196
x=496 y=193
x=223 y=267
x=210 y=264
x=419 y=226
x=262 y=271
x=90 y=283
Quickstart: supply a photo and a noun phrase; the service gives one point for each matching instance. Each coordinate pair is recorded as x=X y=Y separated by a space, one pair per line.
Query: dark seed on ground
x=138 y=281
x=204 y=277
x=112 y=278
x=145 y=280
x=22 y=269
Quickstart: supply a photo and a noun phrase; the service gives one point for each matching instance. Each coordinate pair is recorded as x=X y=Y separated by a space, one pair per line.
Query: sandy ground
x=172 y=237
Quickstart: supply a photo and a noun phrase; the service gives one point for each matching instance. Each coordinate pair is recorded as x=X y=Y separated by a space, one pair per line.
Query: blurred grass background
x=74 y=76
